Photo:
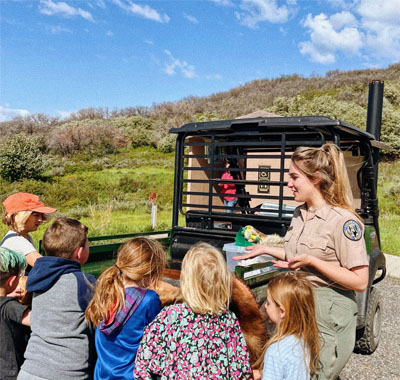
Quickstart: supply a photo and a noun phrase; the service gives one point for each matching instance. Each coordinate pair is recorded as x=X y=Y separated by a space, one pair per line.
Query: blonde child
x=123 y=306
x=200 y=338
x=13 y=315
x=293 y=351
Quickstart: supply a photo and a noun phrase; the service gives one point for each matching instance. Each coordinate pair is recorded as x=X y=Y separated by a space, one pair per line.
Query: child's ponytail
x=108 y=297
x=139 y=260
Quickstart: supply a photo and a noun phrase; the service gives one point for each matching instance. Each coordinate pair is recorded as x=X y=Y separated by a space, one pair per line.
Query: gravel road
x=384 y=363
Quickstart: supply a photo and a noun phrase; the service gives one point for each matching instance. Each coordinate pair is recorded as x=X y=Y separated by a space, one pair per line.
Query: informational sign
x=264 y=175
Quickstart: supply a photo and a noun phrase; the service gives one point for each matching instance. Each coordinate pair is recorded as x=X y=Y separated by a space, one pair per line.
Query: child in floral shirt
x=200 y=338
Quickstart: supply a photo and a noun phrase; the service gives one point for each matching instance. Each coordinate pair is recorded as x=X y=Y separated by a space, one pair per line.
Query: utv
x=259 y=151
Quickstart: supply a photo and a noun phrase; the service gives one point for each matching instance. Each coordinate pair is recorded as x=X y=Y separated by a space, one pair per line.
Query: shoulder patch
x=352 y=230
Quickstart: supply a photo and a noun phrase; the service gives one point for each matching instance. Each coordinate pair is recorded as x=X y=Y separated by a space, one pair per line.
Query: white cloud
x=341 y=4
x=57 y=29
x=142 y=10
x=109 y=33
x=331 y=35
x=223 y=2
x=368 y=27
x=149 y=42
x=101 y=4
x=7 y=113
x=316 y=54
x=213 y=77
x=50 y=8
x=256 y=11
x=64 y=114
x=381 y=11
x=381 y=22
x=190 y=18
x=175 y=64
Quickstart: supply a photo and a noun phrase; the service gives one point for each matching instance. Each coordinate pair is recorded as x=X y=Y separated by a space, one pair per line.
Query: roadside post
x=153 y=211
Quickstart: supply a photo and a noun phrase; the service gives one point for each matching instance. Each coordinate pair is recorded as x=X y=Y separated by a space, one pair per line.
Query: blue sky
x=57 y=57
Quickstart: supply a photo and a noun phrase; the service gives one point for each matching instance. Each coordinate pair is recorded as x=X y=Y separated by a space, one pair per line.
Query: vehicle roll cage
x=243 y=140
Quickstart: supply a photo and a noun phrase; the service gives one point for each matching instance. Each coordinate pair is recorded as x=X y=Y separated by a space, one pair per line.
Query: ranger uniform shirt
x=331 y=234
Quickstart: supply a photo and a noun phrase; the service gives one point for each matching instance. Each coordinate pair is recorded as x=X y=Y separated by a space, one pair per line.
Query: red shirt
x=228 y=188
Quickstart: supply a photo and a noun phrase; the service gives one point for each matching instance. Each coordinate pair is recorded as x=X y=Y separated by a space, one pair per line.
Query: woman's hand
x=252 y=251
x=292 y=263
x=355 y=278
x=260 y=249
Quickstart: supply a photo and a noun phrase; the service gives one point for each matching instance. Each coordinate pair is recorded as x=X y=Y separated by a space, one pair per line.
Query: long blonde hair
x=294 y=293
x=141 y=260
x=206 y=282
x=327 y=165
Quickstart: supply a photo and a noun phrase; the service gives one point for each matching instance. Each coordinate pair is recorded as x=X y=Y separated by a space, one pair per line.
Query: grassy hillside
x=340 y=95
x=101 y=166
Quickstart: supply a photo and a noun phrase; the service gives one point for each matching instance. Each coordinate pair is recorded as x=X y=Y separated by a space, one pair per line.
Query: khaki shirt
x=331 y=234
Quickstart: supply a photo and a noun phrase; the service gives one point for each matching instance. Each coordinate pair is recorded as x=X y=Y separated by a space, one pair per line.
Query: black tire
x=368 y=338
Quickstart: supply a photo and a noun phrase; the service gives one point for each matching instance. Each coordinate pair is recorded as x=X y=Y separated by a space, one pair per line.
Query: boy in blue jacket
x=61 y=343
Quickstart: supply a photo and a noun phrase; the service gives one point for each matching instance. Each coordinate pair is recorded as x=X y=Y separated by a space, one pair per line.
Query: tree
x=21 y=157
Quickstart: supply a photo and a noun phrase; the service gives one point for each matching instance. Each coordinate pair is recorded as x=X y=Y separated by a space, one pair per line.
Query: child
x=123 y=306
x=61 y=340
x=200 y=338
x=293 y=351
x=229 y=189
x=12 y=315
x=24 y=213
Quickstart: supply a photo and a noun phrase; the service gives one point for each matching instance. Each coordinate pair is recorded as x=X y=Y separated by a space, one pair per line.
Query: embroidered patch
x=352 y=230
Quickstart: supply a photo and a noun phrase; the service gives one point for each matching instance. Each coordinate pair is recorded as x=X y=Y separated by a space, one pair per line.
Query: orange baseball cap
x=26 y=202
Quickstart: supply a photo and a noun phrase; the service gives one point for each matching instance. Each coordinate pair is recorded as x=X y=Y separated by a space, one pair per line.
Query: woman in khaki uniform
x=325 y=240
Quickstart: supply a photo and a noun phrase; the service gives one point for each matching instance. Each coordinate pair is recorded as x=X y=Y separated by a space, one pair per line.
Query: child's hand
x=256 y=375
x=17 y=293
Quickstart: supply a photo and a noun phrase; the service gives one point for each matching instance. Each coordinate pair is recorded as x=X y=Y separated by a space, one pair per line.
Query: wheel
x=369 y=336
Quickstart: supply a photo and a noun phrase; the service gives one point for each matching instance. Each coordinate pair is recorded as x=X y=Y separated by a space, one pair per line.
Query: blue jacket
x=61 y=343
x=116 y=352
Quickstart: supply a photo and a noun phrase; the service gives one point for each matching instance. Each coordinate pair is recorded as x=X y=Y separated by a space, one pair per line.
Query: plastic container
x=231 y=250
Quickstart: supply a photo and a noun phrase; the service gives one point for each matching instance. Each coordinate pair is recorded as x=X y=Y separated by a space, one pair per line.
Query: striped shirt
x=285 y=360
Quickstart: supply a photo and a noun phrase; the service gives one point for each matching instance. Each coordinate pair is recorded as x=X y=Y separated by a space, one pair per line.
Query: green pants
x=337 y=319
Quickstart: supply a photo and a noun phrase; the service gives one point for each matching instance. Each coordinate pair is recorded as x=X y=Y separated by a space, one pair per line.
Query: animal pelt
x=26 y=297
x=243 y=304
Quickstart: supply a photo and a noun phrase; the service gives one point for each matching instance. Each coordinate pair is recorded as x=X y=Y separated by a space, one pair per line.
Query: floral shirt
x=180 y=344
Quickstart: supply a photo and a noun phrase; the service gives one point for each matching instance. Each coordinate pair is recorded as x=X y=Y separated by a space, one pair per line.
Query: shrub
x=21 y=157
x=128 y=184
x=90 y=136
x=167 y=143
x=102 y=163
x=138 y=130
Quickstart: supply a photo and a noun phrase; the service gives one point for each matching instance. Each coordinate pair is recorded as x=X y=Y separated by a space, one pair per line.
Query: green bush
x=167 y=143
x=138 y=130
x=21 y=157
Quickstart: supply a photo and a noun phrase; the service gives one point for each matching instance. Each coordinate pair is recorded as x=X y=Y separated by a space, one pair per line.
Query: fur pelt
x=243 y=304
x=26 y=297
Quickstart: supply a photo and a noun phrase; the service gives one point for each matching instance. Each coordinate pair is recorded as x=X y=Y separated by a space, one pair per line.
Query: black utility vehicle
x=259 y=152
